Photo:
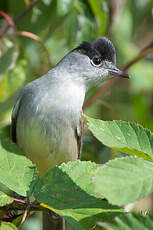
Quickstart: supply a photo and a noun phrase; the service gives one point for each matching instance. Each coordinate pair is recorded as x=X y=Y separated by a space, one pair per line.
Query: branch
x=25 y=206
x=26 y=11
x=147 y=50
x=25 y=215
x=4 y=29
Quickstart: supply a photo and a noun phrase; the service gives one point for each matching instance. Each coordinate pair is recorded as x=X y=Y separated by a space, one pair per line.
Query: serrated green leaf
x=127 y=137
x=69 y=191
x=16 y=171
x=7 y=226
x=5 y=199
x=124 y=180
x=8 y=57
x=129 y=222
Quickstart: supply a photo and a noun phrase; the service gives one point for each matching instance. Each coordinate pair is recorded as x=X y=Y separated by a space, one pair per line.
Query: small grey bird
x=47 y=117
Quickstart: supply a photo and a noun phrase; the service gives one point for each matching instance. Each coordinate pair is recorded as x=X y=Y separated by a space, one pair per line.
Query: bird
x=47 y=121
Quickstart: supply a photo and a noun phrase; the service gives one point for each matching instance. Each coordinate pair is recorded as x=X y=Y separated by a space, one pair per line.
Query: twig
x=19 y=201
x=6 y=27
x=25 y=213
x=26 y=11
x=142 y=54
x=147 y=50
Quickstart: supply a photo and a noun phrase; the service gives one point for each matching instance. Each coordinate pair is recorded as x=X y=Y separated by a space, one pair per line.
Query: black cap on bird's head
x=102 y=54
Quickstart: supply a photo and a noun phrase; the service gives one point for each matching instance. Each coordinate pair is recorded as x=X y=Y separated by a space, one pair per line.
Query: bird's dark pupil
x=97 y=61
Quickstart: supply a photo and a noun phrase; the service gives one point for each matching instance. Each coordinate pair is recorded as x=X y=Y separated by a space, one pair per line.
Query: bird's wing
x=14 y=119
x=79 y=135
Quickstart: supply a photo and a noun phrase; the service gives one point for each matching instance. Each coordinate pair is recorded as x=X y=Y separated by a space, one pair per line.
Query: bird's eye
x=96 y=61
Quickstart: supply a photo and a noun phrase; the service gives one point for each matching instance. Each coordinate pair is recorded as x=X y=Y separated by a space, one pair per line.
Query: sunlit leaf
x=7 y=226
x=5 y=199
x=129 y=222
x=124 y=136
x=124 y=180
x=68 y=190
x=16 y=171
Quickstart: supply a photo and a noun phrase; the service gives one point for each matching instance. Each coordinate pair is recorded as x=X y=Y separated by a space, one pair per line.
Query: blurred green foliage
x=64 y=24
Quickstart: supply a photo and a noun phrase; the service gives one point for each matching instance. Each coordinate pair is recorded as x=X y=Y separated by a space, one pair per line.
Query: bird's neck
x=71 y=96
x=68 y=92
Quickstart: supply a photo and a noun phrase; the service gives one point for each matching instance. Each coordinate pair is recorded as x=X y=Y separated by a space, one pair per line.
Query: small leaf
x=127 y=137
x=16 y=171
x=124 y=180
x=68 y=190
x=129 y=222
x=7 y=226
x=5 y=199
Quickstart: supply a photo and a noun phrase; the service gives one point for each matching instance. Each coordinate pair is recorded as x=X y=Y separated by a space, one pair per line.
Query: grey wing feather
x=14 y=119
x=79 y=136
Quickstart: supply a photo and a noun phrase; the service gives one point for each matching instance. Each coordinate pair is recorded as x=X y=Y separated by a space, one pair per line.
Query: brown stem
x=147 y=50
x=23 y=205
x=142 y=54
x=25 y=215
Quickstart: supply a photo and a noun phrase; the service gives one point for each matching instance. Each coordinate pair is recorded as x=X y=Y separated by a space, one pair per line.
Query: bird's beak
x=118 y=72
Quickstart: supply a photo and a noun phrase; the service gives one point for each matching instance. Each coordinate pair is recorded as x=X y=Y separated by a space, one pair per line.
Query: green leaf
x=130 y=221
x=5 y=199
x=68 y=190
x=127 y=137
x=100 y=10
x=124 y=180
x=16 y=171
x=13 y=80
x=64 y=6
x=7 y=226
x=8 y=57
